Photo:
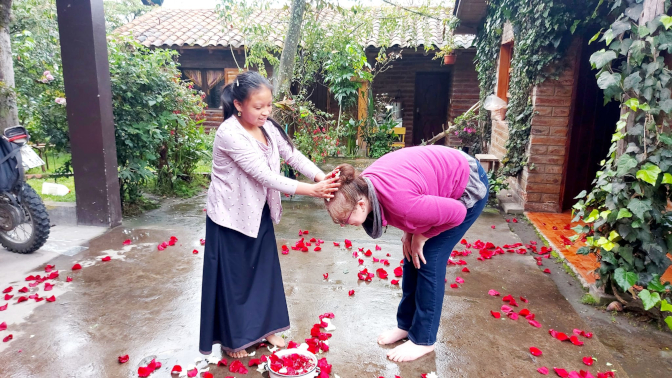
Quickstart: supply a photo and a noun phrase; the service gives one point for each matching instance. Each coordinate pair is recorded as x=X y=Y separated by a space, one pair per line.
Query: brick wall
x=464 y=90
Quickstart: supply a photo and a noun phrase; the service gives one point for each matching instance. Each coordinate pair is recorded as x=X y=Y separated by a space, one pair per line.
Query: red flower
x=106 y=258
x=292 y=345
x=394 y=282
x=507 y=298
x=493 y=293
x=535 y=351
x=561 y=372
x=176 y=369
x=127 y=242
x=8 y=338
x=382 y=274
x=398 y=271
x=51 y=299
x=495 y=314
x=547 y=271
x=543 y=370
x=123 y=359
x=351 y=293
x=588 y=361
x=326 y=276
x=7 y=290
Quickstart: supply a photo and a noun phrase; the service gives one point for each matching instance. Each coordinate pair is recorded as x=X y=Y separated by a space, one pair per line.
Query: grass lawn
x=67 y=181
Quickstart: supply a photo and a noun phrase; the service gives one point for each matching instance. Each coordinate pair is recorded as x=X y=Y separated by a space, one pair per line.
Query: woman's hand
x=321 y=176
x=417 y=245
x=325 y=188
x=406 y=245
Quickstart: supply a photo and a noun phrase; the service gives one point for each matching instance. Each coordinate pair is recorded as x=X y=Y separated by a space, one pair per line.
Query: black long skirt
x=243 y=298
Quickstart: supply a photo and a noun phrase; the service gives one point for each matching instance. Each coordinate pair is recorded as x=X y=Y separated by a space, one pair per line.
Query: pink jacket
x=418 y=188
x=244 y=178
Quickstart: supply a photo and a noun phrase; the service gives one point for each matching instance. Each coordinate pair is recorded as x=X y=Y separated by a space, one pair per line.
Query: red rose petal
x=466 y=270
x=222 y=362
x=48 y=286
x=127 y=242
x=351 y=293
x=49 y=268
x=493 y=226
x=123 y=359
x=454 y=286
x=22 y=299
x=326 y=276
x=459 y=280
x=192 y=373
x=202 y=241
x=493 y=293
x=524 y=312
x=507 y=298
x=378 y=248
x=561 y=372
x=8 y=297
x=3 y=308
x=543 y=370
x=337 y=244
x=398 y=271
x=51 y=299
x=306 y=232
x=506 y=309
x=382 y=274
x=588 y=361
x=317 y=249
x=23 y=290
x=575 y=340
x=7 y=339
x=535 y=351
x=547 y=271
x=495 y=314
x=524 y=300
x=3 y=326
x=106 y=258
x=176 y=369
x=76 y=267
x=69 y=279
x=368 y=253
x=512 y=315
x=7 y=290
x=394 y=282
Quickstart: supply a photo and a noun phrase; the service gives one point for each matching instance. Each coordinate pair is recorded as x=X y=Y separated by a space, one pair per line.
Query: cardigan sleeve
x=294 y=157
x=238 y=148
x=431 y=215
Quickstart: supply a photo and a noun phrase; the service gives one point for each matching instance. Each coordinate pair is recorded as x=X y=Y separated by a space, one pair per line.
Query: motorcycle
x=24 y=221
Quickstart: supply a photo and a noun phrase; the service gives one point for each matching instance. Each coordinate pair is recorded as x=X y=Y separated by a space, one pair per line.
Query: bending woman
x=433 y=194
x=243 y=299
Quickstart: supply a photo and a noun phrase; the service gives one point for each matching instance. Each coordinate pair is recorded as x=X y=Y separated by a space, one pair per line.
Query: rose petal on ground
x=368 y=253
x=7 y=290
x=524 y=300
x=534 y=323
x=8 y=338
x=547 y=271
x=524 y=312
x=398 y=271
x=378 y=248
x=22 y=299
x=512 y=315
x=375 y=260
x=382 y=274
x=575 y=340
x=506 y=309
x=337 y=244
x=69 y=279
x=193 y=372
x=326 y=276
x=3 y=326
x=123 y=359
x=588 y=361
x=493 y=293
x=535 y=351
x=495 y=314
x=466 y=270
x=561 y=372
x=48 y=286
x=394 y=282
x=8 y=296
x=3 y=308
x=543 y=370
x=176 y=369
x=351 y=293
x=23 y=290
x=106 y=258
x=454 y=285
x=51 y=299
x=76 y=267
x=317 y=249
x=459 y=280
x=222 y=362
x=507 y=298
x=493 y=226
x=127 y=242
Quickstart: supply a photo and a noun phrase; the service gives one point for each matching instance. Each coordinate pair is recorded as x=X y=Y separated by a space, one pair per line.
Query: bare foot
x=392 y=336
x=240 y=354
x=408 y=351
x=276 y=340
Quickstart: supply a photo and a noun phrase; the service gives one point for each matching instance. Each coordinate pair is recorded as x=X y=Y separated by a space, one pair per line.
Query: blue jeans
x=423 y=289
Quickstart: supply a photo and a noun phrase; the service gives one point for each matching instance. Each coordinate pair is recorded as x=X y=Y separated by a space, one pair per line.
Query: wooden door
x=592 y=125
x=431 y=105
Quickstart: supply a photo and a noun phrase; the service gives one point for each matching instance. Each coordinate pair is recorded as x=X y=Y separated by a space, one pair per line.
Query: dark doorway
x=592 y=125
x=431 y=105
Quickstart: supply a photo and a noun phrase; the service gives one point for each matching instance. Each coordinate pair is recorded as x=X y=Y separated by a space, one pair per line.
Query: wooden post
x=362 y=110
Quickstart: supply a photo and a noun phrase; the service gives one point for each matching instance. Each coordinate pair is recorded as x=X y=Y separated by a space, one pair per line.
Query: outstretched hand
x=325 y=188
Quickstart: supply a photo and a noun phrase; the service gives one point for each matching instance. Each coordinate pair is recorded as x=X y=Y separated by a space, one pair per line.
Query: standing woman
x=433 y=194
x=243 y=299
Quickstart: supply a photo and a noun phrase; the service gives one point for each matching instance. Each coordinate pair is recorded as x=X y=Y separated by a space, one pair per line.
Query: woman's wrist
x=319 y=177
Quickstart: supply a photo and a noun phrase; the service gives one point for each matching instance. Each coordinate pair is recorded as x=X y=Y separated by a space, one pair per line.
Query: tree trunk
x=9 y=115
x=283 y=78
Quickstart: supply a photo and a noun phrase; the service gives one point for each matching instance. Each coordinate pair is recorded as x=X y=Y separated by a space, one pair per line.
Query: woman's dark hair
x=240 y=89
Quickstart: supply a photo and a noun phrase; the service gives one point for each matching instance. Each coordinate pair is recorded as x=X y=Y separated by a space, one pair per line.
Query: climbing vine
x=543 y=31
x=628 y=226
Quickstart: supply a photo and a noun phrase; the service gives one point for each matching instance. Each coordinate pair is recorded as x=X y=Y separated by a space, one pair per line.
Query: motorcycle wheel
x=29 y=236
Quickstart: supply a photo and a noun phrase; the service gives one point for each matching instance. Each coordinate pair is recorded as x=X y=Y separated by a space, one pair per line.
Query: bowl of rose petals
x=292 y=363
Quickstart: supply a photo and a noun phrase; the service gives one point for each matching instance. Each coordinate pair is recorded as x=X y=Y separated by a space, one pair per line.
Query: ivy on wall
x=543 y=31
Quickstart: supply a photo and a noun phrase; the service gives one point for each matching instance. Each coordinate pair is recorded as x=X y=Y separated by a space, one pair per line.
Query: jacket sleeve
x=431 y=215
x=294 y=157
x=250 y=160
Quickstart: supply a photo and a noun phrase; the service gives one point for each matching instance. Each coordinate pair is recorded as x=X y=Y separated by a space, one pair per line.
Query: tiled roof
x=203 y=28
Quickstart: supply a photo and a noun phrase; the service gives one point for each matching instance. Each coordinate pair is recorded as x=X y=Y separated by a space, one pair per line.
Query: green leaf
x=607 y=80
x=632 y=103
x=581 y=195
x=667 y=178
x=665 y=305
x=625 y=163
x=623 y=213
x=649 y=299
x=595 y=37
x=602 y=58
x=576 y=23
x=625 y=279
x=655 y=285
x=665 y=139
x=638 y=207
x=666 y=105
x=666 y=20
x=631 y=81
x=583 y=251
x=668 y=320
x=649 y=173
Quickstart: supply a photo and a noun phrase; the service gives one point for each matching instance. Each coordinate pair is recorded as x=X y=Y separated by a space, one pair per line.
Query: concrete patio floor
x=146 y=303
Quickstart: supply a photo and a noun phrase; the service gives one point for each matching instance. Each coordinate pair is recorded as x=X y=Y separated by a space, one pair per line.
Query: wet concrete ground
x=146 y=303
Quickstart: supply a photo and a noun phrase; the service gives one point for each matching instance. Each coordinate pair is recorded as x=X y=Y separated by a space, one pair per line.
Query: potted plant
x=447 y=51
